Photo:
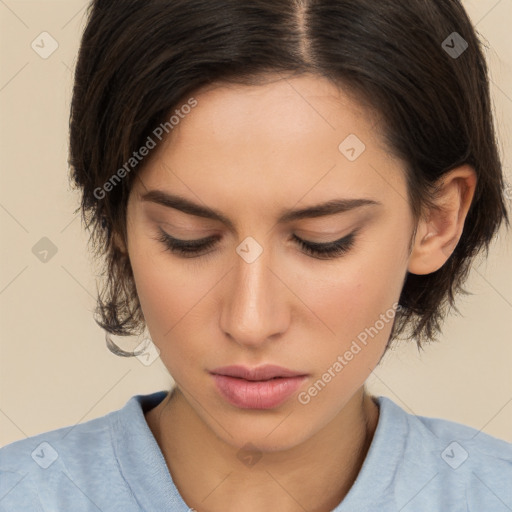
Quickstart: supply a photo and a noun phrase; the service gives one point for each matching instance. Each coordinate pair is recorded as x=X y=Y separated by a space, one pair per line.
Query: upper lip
x=264 y=372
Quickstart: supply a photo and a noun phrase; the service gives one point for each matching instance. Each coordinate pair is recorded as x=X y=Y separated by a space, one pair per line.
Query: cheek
x=360 y=307
x=169 y=300
x=176 y=299
x=165 y=292
x=357 y=300
x=354 y=295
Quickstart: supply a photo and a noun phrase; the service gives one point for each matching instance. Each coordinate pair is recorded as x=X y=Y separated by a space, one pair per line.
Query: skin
x=249 y=152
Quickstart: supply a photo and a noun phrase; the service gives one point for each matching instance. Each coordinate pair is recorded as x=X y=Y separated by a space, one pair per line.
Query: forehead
x=278 y=111
x=283 y=140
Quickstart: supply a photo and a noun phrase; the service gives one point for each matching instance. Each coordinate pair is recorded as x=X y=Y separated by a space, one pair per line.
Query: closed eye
x=327 y=250
x=197 y=248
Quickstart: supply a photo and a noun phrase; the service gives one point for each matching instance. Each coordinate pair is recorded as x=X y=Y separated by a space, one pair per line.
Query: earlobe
x=119 y=243
x=439 y=232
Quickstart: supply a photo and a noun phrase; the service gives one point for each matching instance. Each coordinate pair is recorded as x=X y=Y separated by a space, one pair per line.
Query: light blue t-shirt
x=113 y=463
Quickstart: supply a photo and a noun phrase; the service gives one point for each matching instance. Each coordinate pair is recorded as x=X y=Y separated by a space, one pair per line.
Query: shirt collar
x=141 y=461
x=143 y=466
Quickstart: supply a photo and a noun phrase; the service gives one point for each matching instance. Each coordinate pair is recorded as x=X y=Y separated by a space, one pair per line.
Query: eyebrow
x=184 y=205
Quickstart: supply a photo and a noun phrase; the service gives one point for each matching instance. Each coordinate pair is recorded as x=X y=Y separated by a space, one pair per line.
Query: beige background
x=55 y=369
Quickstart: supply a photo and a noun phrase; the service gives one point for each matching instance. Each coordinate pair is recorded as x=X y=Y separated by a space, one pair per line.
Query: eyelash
x=194 y=248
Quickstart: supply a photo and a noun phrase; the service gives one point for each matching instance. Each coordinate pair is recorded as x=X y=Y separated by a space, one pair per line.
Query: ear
x=119 y=243
x=440 y=229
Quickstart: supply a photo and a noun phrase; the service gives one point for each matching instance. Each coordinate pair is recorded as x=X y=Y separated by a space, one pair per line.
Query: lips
x=265 y=372
x=265 y=387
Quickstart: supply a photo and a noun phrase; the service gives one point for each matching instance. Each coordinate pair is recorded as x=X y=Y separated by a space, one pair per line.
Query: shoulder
x=75 y=467
x=459 y=444
x=44 y=450
x=451 y=460
x=54 y=459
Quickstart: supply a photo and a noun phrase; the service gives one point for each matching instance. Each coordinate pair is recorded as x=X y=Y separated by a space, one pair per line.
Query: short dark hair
x=140 y=59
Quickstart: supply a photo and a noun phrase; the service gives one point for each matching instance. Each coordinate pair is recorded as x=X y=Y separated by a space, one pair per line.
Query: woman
x=279 y=190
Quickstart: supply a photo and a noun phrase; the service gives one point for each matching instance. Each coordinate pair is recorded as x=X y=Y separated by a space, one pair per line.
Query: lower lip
x=265 y=394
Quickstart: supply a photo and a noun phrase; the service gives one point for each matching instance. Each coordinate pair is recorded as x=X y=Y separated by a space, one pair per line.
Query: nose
x=255 y=305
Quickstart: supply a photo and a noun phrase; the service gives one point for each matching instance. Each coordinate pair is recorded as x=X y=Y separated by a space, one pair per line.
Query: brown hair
x=139 y=59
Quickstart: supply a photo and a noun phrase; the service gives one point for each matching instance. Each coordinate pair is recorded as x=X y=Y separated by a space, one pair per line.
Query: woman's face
x=255 y=296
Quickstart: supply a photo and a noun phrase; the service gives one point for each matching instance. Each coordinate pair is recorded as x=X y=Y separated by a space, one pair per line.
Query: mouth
x=264 y=387
x=260 y=373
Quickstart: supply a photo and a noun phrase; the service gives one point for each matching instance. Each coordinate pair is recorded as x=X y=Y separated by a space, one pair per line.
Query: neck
x=314 y=475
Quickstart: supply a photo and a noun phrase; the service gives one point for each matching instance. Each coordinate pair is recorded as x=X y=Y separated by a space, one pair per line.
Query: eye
x=327 y=250
x=186 y=248
x=196 y=248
